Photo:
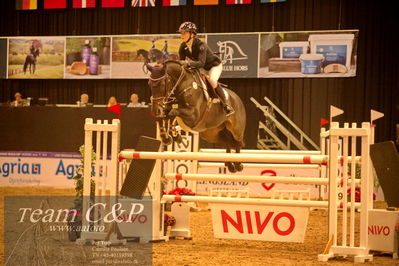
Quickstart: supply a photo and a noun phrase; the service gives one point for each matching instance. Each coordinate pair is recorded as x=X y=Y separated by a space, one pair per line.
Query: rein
x=166 y=99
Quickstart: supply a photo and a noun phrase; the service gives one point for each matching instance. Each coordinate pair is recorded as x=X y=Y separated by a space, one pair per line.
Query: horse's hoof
x=238 y=166
x=167 y=141
x=231 y=167
x=178 y=139
x=174 y=112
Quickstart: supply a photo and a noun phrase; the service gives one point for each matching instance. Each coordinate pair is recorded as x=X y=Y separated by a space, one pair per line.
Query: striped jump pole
x=251 y=201
x=252 y=178
x=226 y=157
x=262 y=165
x=295 y=152
x=249 y=178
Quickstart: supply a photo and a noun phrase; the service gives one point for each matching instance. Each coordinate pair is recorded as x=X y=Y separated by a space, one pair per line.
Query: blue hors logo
x=20 y=168
x=230 y=51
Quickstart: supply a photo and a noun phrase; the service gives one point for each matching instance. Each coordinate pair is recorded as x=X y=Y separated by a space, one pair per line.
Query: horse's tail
x=26 y=64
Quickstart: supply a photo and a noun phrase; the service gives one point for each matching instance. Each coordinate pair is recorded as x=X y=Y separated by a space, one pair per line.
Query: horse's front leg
x=230 y=165
x=176 y=135
x=238 y=165
x=164 y=127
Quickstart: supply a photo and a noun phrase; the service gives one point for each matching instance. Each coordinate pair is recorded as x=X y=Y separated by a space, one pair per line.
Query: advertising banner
x=262 y=189
x=238 y=52
x=263 y=223
x=88 y=58
x=24 y=168
x=313 y=54
x=36 y=58
x=129 y=53
x=308 y=54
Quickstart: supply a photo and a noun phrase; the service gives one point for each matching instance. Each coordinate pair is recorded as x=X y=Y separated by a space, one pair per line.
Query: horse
x=177 y=96
x=30 y=61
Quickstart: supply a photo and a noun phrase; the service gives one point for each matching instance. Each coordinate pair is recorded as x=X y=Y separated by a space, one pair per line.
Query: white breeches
x=213 y=74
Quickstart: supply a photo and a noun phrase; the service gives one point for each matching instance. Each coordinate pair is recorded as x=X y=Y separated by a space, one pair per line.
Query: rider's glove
x=185 y=63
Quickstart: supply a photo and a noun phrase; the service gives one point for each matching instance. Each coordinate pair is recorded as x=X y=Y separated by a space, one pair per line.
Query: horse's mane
x=172 y=62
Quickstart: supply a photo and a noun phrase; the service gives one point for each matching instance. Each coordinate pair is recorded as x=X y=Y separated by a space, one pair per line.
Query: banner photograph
x=238 y=52
x=36 y=58
x=87 y=58
x=308 y=54
x=244 y=55
x=129 y=53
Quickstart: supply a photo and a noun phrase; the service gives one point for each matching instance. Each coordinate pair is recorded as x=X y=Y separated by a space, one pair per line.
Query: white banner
x=24 y=168
x=261 y=189
x=265 y=223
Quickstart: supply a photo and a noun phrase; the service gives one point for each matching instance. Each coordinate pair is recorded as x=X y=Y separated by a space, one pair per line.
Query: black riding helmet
x=188 y=26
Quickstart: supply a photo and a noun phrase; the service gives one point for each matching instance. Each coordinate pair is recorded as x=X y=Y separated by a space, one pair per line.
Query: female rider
x=197 y=54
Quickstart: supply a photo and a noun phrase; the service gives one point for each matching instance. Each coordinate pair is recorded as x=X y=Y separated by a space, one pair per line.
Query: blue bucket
x=311 y=63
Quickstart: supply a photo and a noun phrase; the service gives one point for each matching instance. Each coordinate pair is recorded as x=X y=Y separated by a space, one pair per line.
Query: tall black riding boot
x=227 y=108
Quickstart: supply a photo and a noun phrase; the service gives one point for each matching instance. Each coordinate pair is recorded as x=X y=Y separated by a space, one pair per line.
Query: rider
x=198 y=55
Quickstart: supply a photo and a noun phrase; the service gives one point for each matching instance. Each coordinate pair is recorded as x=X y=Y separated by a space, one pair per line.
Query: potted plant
x=75 y=220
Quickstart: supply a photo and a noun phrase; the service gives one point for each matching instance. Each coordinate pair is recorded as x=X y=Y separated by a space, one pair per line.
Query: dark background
x=305 y=101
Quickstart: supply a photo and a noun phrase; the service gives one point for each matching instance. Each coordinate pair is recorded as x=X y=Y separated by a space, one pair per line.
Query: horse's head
x=163 y=81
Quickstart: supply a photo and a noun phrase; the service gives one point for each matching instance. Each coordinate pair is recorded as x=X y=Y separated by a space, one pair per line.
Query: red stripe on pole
x=177 y=198
x=179 y=176
x=306 y=159
x=136 y=155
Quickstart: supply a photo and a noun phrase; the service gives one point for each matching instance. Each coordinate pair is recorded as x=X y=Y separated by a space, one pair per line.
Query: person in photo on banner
x=196 y=54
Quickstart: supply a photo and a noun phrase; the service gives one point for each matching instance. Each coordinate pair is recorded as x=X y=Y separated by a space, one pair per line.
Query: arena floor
x=204 y=249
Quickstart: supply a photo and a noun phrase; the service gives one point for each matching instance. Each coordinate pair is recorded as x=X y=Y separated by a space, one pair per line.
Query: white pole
x=232 y=157
x=298 y=152
x=262 y=165
x=248 y=201
x=333 y=172
x=249 y=178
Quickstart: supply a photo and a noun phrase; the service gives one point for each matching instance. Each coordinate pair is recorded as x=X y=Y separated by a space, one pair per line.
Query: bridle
x=169 y=96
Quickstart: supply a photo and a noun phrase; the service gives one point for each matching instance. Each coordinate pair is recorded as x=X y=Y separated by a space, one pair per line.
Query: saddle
x=204 y=84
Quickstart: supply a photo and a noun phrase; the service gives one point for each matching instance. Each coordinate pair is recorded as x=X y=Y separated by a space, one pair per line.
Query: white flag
x=375 y=115
x=334 y=111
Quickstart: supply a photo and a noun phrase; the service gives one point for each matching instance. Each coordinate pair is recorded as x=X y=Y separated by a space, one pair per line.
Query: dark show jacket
x=202 y=55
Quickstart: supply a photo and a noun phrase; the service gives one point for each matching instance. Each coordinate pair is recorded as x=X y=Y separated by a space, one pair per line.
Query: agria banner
x=25 y=168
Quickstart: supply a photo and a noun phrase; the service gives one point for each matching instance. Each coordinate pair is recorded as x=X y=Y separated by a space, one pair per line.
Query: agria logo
x=230 y=51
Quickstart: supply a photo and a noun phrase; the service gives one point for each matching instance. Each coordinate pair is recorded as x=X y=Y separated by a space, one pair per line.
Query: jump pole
x=229 y=157
x=251 y=178
x=252 y=201
x=262 y=165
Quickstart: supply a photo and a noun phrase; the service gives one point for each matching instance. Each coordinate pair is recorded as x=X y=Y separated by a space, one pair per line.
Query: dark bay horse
x=30 y=61
x=177 y=95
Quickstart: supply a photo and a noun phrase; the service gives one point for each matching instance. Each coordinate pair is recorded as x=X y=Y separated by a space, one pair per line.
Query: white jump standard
x=238 y=213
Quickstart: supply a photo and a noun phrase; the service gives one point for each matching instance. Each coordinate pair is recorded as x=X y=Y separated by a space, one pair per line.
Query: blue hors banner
x=238 y=52
x=290 y=54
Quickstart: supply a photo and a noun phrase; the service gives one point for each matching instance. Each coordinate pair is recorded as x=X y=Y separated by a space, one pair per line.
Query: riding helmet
x=188 y=26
